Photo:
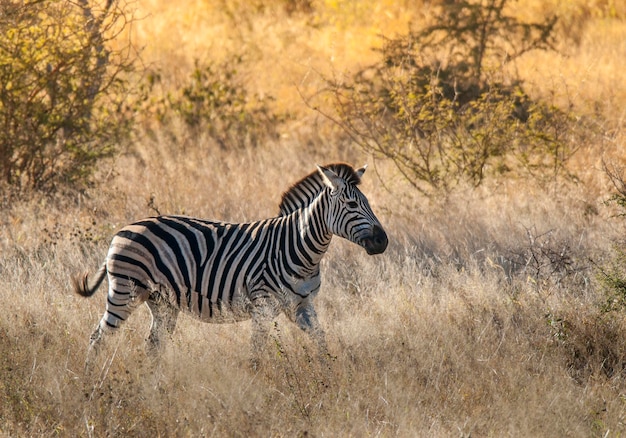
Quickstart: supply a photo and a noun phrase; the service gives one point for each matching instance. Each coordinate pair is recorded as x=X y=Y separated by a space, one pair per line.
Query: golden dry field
x=486 y=316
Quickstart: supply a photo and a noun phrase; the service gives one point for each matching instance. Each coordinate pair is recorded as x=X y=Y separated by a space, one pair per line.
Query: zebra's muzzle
x=377 y=242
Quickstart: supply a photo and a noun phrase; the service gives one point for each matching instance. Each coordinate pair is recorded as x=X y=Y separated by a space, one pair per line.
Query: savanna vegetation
x=495 y=135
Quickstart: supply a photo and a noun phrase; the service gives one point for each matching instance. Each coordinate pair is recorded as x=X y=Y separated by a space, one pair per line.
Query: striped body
x=213 y=270
x=222 y=272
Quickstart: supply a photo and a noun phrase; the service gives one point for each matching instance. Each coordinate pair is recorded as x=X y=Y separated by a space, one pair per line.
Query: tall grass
x=484 y=317
x=450 y=331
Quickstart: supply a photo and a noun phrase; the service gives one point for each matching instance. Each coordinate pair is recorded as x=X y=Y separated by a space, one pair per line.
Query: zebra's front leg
x=263 y=311
x=306 y=319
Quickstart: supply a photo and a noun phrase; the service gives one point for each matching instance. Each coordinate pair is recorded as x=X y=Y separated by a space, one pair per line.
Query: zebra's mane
x=306 y=190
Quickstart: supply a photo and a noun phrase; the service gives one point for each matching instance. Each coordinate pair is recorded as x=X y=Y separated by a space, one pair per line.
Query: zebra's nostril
x=378 y=240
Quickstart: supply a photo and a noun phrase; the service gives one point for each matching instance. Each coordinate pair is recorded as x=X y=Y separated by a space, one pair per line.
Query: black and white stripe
x=224 y=272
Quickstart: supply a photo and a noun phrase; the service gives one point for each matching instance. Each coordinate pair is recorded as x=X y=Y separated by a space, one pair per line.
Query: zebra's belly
x=220 y=312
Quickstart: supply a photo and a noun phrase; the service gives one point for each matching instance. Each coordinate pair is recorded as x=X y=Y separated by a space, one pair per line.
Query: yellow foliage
x=287 y=51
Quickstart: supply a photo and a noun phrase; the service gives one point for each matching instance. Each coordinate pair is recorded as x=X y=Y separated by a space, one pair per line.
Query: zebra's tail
x=83 y=287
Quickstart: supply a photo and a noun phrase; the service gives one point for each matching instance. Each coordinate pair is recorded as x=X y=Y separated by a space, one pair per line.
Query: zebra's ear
x=330 y=178
x=361 y=171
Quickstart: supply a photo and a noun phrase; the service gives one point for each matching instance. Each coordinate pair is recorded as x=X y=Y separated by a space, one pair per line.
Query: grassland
x=484 y=317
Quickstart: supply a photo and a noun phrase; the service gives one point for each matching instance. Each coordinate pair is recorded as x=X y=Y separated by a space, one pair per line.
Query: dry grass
x=442 y=335
x=482 y=318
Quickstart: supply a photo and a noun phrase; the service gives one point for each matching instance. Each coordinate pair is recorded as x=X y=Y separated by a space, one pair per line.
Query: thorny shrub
x=214 y=101
x=434 y=106
x=63 y=90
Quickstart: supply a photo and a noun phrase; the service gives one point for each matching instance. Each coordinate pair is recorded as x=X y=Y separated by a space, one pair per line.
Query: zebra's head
x=350 y=214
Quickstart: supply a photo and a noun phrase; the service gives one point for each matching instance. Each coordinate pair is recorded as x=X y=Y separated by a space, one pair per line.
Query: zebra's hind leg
x=96 y=369
x=97 y=338
x=164 y=318
x=94 y=348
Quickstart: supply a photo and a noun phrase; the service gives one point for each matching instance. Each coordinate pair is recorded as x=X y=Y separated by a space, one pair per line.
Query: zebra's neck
x=313 y=229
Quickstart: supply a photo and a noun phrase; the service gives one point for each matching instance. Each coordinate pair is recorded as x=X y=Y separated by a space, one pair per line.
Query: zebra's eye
x=353 y=205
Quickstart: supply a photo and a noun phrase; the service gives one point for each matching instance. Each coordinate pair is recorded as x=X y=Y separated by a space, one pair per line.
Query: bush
x=434 y=106
x=62 y=90
x=611 y=273
x=215 y=102
x=616 y=174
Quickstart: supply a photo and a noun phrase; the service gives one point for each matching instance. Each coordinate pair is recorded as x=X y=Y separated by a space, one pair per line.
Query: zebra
x=223 y=272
